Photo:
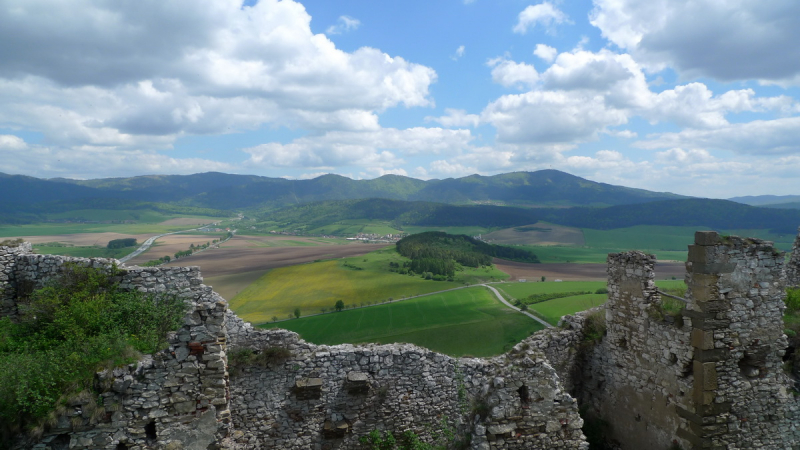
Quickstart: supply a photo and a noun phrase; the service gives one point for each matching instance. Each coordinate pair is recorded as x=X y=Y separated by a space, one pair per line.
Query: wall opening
x=122 y=446
x=61 y=442
x=524 y=395
x=150 y=432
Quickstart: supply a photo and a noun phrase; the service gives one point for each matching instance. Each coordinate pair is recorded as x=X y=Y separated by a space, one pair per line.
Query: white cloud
x=550 y=117
x=458 y=54
x=344 y=25
x=681 y=156
x=85 y=162
x=726 y=40
x=542 y=14
x=127 y=76
x=759 y=137
x=369 y=149
x=510 y=73
x=545 y=52
x=456 y=118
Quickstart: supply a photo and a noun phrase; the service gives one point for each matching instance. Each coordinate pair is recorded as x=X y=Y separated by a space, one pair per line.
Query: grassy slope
x=312 y=287
x=466 y=321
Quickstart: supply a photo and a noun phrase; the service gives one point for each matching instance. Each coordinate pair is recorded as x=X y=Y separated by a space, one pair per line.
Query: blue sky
x=697 y=97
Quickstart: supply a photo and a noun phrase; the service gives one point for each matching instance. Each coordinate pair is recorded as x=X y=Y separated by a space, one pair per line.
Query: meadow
x=521 y=290
x=553 y=310
x=355 y=280
x=149 y=222
x=467 y=321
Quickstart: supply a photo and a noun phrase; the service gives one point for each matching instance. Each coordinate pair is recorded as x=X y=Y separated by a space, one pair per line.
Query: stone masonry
x=793 y=266
x=177 y=397
x=705 y=375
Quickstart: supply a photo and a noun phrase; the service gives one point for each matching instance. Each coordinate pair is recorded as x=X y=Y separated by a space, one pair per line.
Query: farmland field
x=163 y=225
x=539 y=234
x=465 y=321
x=522 y=290
x=82 y=251
x=355 y=280
x=553 y=310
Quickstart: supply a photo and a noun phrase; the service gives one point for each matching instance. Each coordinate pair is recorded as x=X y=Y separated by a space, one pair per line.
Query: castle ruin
x=710 y=375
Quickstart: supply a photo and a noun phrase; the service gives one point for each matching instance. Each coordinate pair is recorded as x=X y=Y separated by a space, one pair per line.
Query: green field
x=138 y=215
x=362 y=279
x=469 y=231
x=467 y=321
x=47 y=229
x=552 y=310
x=86 y=251
x=522 y=290
x=355 y=226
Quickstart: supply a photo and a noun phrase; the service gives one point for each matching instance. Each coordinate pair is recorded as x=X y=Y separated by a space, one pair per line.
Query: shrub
x=792 y=300
x=595 y=326
x=75 y=325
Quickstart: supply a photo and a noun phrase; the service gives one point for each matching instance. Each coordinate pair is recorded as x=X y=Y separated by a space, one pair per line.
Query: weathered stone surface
x=711 y=377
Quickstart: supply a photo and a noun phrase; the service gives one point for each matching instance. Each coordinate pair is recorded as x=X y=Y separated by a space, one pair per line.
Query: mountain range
x=226 y=191
x=509 y=199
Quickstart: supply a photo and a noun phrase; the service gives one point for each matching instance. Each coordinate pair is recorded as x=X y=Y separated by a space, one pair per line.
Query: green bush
x=76 y=325
x=792 y=300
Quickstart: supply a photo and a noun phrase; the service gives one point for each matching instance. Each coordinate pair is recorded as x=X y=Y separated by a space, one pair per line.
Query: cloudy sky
x=697 y=97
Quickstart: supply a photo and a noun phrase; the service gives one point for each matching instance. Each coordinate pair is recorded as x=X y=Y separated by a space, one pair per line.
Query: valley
x=287 y=260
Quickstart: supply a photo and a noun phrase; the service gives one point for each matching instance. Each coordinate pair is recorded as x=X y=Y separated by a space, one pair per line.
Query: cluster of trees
x=157 y=262
x=121 y=243
x=440 y=253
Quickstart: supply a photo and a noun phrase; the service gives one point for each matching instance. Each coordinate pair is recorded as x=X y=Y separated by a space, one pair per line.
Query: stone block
x=703 y=340
x=705 y=376
x=706 y=238
x=308 y=388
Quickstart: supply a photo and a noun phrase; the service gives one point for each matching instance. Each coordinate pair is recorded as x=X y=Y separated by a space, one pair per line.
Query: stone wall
x=793 y=266
x=8 y=284
x=741 y=395
x=708 y=376
x=641 y=371
x=325 y=397
x=177 y=397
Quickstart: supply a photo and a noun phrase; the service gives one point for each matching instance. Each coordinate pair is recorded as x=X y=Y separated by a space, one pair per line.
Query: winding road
x=148 y=243
x=500 y=297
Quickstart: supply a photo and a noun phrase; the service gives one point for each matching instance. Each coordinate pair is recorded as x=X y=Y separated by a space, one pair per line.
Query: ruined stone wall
x=641 y=371
x=741 y=395
x=329 y=396
x=709 y=376
x=8 y=285
x=177 y=397
x=793 y=266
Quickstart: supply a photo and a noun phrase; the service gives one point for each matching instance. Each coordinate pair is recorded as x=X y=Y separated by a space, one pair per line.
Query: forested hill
x=715 y=214
x=228 y=191
x=432 y=251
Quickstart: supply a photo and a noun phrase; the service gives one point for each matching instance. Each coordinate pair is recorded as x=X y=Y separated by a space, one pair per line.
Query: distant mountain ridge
x=227 y=191
x=770 y=201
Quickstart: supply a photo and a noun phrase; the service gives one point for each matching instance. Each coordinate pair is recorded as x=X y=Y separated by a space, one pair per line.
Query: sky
x=695 y=97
